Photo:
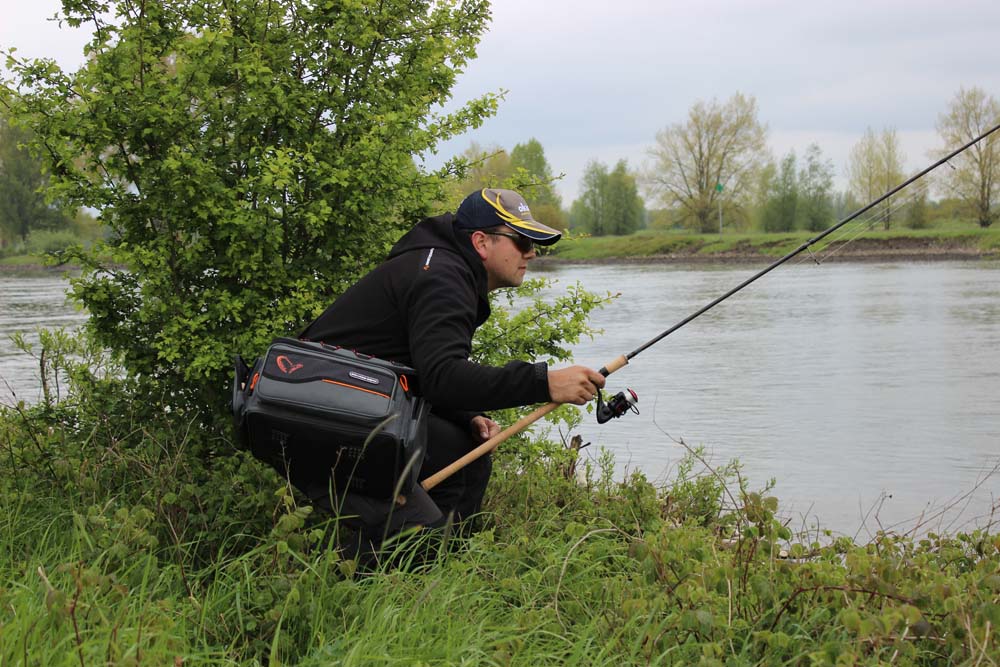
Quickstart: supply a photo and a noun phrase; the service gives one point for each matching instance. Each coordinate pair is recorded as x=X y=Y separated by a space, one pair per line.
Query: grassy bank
x=906 y=244
x=145 y=540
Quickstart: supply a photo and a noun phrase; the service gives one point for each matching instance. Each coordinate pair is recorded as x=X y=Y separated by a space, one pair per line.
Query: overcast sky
x=593 y=79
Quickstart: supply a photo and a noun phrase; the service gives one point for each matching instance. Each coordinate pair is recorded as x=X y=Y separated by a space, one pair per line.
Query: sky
x=596 y=80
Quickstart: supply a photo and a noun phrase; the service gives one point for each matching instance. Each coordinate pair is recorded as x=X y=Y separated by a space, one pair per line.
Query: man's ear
x=480 y=244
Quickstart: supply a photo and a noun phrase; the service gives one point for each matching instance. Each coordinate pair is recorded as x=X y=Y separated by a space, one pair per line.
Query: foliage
x=797 y=200
x=719 y=144
x=23 y=207
x=249 y=160
x=524 y=325
x=524 y=169
x=756 y=247
x=779 y=210
x=482 y=167
x=916 y=214
x=50 y=242
x=122 y=550
x=530 y=156
x=815 y=205
x=610 y=202
x=975 y=174
x=875 y=167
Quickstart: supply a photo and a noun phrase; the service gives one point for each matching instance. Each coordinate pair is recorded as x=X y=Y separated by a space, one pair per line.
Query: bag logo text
x=363 y=378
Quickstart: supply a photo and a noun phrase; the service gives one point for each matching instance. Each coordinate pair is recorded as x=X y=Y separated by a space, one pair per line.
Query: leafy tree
x=719 y=144
x=815 y=203
x=975 y=177
x=844 y=204
x=23 y=207
x=487 y=167
x=780 y=207
x=627 y=211
x=916 y=213
x=875 y=167
x=494 y=167
x=610 y=203
x=530 y=156
x=588 y=211
x=661 y=218
x=249 y=159
x=546 y=204
x=946 y=209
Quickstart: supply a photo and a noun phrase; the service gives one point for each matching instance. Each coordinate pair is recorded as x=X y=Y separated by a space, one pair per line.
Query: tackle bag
x=305 y=407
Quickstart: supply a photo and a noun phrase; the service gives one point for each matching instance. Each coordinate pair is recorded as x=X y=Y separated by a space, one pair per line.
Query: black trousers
x=455 y=500
x=460 y=495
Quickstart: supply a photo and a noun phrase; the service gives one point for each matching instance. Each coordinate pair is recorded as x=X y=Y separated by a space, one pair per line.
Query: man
x=421 y=307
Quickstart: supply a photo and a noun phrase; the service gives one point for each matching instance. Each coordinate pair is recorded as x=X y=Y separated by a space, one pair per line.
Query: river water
x=869 y=392
x=28 y=303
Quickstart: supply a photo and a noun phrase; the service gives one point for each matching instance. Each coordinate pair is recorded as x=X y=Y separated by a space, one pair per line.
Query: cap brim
x=536 y=231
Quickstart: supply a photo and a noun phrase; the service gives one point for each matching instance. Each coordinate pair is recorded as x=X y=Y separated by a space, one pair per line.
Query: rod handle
x=513 y=429
x=610 y=368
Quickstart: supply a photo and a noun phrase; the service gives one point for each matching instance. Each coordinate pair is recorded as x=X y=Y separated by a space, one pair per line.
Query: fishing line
x=895 y=207
x=833 y=245
x=854 y=231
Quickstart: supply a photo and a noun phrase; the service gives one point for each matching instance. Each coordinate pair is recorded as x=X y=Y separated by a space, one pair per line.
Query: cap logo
x=523 y=208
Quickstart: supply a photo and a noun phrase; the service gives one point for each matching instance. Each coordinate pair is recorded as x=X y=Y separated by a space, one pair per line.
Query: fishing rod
x=623 y=402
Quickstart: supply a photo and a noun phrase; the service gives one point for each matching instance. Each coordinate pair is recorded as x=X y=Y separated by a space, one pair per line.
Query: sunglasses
x=523 y=243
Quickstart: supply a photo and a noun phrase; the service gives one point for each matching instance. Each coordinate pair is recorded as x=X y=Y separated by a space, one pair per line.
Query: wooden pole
x=513 y=429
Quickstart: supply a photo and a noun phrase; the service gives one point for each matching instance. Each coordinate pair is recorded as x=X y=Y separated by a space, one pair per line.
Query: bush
x=42 y=242
x=248 y=161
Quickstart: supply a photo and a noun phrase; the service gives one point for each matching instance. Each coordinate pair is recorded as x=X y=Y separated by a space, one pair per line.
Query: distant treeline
x=714 y=171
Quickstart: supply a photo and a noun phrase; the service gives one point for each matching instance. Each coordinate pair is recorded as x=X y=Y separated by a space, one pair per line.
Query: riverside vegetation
x=949 y=242
x=246 y=172
x=134 y=535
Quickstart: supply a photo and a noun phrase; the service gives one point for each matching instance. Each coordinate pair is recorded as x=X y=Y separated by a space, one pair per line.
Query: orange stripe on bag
x=253 y=382
x=404 y=383
x=351 y=386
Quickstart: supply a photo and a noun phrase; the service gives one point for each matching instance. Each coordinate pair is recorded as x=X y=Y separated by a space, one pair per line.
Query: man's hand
x=484 y=427
x=576 y=384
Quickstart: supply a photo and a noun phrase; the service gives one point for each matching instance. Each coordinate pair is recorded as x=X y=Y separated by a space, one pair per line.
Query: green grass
x=125 y=548
x=647 y=244
x=21 y=260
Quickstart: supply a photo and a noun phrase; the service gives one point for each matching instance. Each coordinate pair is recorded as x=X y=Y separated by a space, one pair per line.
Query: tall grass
x=142 y=539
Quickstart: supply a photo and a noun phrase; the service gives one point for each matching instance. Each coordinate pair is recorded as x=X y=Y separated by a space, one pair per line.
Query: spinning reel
x=618 y=405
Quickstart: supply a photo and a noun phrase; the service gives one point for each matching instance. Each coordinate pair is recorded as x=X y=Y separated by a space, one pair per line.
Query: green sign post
x=718 y=188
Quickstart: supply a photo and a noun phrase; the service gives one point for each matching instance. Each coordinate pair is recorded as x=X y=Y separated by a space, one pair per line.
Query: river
x=28 y=303
x=869 y=392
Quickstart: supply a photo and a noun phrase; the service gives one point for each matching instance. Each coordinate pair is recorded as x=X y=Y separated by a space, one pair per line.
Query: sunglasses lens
x=524 y=244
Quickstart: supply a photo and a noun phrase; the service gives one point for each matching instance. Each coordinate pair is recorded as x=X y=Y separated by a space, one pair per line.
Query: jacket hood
x=439 y=233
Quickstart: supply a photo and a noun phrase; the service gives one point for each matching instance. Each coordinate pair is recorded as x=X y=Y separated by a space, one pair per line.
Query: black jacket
x=420 y=307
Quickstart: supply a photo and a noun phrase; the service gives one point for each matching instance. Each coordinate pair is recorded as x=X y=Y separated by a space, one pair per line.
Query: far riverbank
x=661 y=247
x=654 y=247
